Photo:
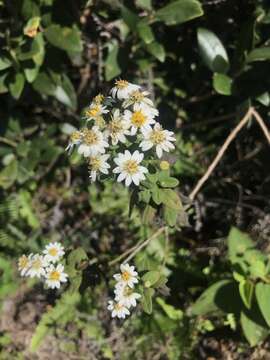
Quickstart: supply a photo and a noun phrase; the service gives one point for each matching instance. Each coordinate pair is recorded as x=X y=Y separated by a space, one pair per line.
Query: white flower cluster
x=44 y=266
x=119 y=129
x=125 y=296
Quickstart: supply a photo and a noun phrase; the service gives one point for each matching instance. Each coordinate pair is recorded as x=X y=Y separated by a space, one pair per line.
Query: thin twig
x=251 y=111
x=135 y=249
x=260 y=121
x=145 y=243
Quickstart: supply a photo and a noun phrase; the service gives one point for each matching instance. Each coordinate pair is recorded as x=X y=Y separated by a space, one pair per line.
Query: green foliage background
x=206 y=63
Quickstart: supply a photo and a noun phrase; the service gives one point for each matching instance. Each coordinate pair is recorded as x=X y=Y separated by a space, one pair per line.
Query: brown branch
x=251 y=112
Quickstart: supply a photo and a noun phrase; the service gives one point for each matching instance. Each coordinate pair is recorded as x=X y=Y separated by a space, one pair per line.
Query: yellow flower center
x=164 y=165
x=98 y=99
x=126 y=276
x=121 y=84
x=75 y=136
x=115 y=126
x=94 y=163
x=118 y=306
x=157 y=136
x=138 y=119
x=53 y=251
x=90 y=137
x=23 y=262
x=137 y=96
x=54 y=275
x=36 y=264
x=92 y=112
x=131 y=167
x=128 y=291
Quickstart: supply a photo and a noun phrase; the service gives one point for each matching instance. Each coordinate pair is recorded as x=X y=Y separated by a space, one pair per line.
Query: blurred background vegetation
x=205 y=63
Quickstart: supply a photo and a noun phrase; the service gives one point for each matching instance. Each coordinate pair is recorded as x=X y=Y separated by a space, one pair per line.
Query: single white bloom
x=98 y=164
x=95 y=111
x=53 y=252
x=75 y=139
x=140 y=119
x=93 y=142
x=55 y=276
x=117 y=310
x=24 y=263
x=158 y=138
x=123 y=88
x=37 y=266
x=117 y=128
x=139 y=98
x=129 y=168
x=125 y=296
x=127 y=277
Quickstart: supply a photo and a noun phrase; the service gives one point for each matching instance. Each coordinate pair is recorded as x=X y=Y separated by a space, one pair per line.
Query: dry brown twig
x=251 y=112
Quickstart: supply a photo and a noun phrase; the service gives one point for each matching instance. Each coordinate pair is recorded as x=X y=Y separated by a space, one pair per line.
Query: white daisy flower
x=138 y=98
x=75 y=139
x=37 y=266
x=123 y=88
x=117 y=128
x=117 y=310
x=53 y=252
x=127 y=277
x=159 y=138
x=24 y=263
x=125 y=296
x=140 y=119
x=98 y=163
x=55 y=276
x=92 y=142
x=95 y=111
x=129 y=169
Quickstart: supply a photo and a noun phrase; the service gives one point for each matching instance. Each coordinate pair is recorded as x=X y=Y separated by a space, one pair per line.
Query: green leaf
x=178 y=12
x=145 y=32
x=171 y=199
x=238 y=243
x=169 y=182
x=63 y=90
x=16 y=85
x=26 y=209
x=212 y=51
x=5 y=62
x=147 y=300
x=144 y=4
x=65 y=38
x=3 y=83
x=222 y=84
x=170 y=216
x=246 y=290
x=264 y=99
x=151 y=278
x=258 y=269
x=218 y=297
x=259 y=54
x=129 y=17
x=171 y=311
x=253 y=330
x=263 y=296
x=157 y=50
x=112 y=67
x=145 y=196
x=9 y=175
x=157 y=195
x=148 y=214
x=65 y=93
